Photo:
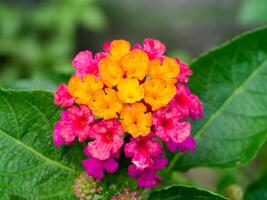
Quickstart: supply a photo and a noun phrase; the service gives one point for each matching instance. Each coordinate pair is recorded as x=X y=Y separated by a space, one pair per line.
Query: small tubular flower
x=135 y=64
x=127 y=97
x=108 y=139
x=142 y=150
x=135 y=120
x=84 y=88
x=130 y=91
x=158 y=93
x=62 y=96
x=95 y=167
x=168 y=125
x=105 y=104
x=168 y=70
x=154 y=48
x=118 y=48
x=110 y=71
x=186 y=103
x=75 y=121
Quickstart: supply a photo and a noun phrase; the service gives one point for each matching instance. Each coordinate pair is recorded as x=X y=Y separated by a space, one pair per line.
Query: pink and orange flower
x=123 y=92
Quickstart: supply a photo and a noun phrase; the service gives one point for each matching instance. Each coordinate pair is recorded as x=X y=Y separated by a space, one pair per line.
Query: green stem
x=173 y=162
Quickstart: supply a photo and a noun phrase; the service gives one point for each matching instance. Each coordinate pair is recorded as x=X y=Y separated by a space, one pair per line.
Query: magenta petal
x=189 y=144
x=93 y=168
x=148 y=179
x=154 y=48
x=111 y=165
x=62 y=96
x=58 y=139
x=106 y=46
x=160 y=163
x=132 y=171
x=99 y=150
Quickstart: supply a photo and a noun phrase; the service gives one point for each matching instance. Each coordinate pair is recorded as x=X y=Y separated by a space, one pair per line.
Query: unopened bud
x=87 y=188
x=234 y=192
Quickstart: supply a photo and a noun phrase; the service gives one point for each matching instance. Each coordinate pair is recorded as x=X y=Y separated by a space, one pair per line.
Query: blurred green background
x=39 y=38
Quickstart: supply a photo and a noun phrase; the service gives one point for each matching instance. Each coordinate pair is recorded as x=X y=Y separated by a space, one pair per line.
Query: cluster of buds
x=87 y=188
x=127 y=92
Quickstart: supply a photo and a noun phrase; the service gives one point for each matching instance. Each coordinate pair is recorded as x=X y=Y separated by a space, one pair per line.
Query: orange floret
x=110 y=71
x=105 y=104
x=168 y=70
x=83 y=89
x=158 y=93
x=135 y=64
x=129 y=90
x=134 y=119
x=118 y=48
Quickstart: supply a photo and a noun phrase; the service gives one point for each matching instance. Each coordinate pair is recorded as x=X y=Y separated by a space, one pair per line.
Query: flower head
x=127 y=95
x=108 y=139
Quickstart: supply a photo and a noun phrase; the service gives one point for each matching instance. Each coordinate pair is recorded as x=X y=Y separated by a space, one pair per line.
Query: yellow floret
x=168 y=70
x=118 y=48
x=83 y=89
x=129 y=90
x=105 y=104
x=135 y=64
x=134 y=119
x=158 y=93
x=110 y=71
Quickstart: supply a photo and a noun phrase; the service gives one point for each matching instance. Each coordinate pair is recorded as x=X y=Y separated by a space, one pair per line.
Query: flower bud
x=87 y=188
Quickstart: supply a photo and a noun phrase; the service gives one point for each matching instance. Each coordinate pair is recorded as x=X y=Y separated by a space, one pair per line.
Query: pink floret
x=148 y=177
x=142 y=150
x=75 y=121
x=185 y=72
x=188 y=144
x=108 y=139
x=186 y=103
x=95 y=167
x=84 y=63
x=168 y=125
x=154 y=48
x=62 y=96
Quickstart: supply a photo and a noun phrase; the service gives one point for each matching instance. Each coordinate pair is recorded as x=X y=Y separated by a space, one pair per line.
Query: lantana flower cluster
x=127 y=99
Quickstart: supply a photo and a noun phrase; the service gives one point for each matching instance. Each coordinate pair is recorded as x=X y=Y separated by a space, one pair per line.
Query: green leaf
x=184 y=192
x=30 y=166
x=257 y=190
x=232 y=83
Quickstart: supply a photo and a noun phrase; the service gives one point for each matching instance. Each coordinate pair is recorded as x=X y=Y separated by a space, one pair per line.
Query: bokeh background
x=39 y=38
